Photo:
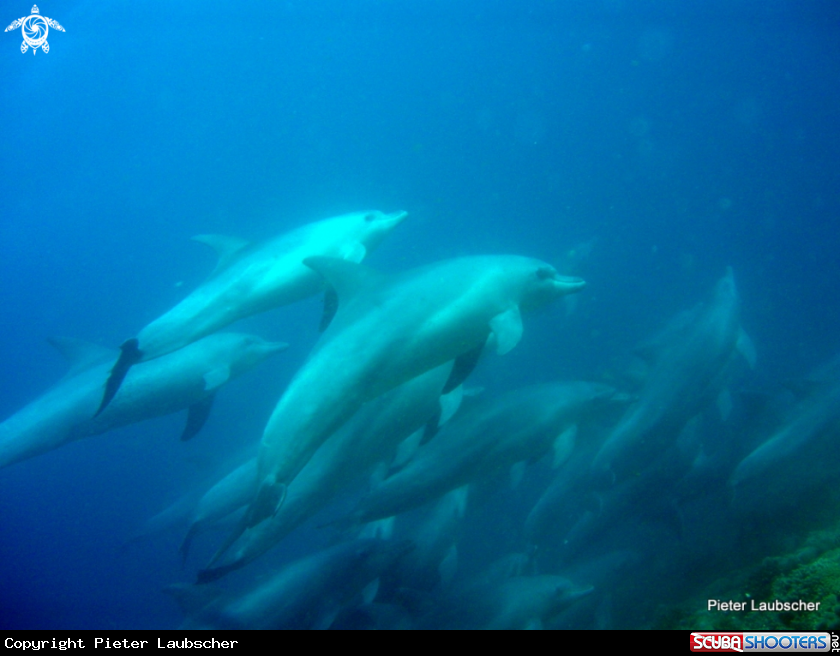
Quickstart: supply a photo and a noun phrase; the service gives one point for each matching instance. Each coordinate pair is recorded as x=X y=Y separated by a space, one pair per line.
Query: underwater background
x=644 y=146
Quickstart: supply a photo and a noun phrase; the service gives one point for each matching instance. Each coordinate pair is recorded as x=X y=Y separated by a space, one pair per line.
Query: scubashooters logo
x=798 y=642
x=35 y=29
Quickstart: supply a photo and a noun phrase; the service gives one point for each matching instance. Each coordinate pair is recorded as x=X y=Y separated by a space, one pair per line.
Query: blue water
x=680 y=137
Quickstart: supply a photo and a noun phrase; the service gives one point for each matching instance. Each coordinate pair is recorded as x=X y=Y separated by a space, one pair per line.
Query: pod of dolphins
x=381 y=414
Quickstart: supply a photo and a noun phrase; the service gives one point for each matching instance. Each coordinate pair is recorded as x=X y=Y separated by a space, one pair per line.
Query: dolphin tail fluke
x=130 y=354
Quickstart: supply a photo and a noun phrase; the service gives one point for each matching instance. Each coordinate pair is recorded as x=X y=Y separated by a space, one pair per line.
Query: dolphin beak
x=623 y=398
x=568 y=284
x=393 y=219
x=272 y=348
x=579 y=591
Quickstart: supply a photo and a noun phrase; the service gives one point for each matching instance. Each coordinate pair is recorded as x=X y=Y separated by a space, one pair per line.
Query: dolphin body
x=496 y=433
x=569 y=494
x=227 y=496
x=433 y=563
x=206 y=506
x=690 y=365
x=516 y=603
x=304 y=594
x=788 y=463
x=371 y=437
x=252 y=278
x=386 y=332
x=185 y=379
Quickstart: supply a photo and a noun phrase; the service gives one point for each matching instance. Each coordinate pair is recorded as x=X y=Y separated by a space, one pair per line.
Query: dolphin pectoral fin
x=450 y=403
x=460 y=496
x=370 y=591
x=355 y=252
x=464 y=366
x=563 y=446
x=130 y=355
x=330 y=308
x=216 y=378
x=197 y=416
x=507 y=327
x=407 y=448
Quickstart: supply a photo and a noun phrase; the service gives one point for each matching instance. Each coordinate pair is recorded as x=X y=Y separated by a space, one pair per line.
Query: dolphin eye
x=546 y=273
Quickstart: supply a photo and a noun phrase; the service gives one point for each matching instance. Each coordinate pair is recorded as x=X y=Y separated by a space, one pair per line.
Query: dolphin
x=227 y=496
x=185 y=379
x=567 y=496
x=791 y=460
x=433 y=562
x=647 y=498
x=516 y=603
x=496 y=433
x=252 y=278
x=386 y=332
x=691 y=363
x=176 y=514
x=304 y=594
x=370 y=438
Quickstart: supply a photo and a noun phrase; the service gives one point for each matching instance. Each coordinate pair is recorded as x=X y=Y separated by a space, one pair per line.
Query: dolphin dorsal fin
x=80 y=354
x=227 y=248
x=345 y=277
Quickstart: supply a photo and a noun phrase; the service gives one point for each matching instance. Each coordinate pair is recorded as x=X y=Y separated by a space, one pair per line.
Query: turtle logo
x=35 y=29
